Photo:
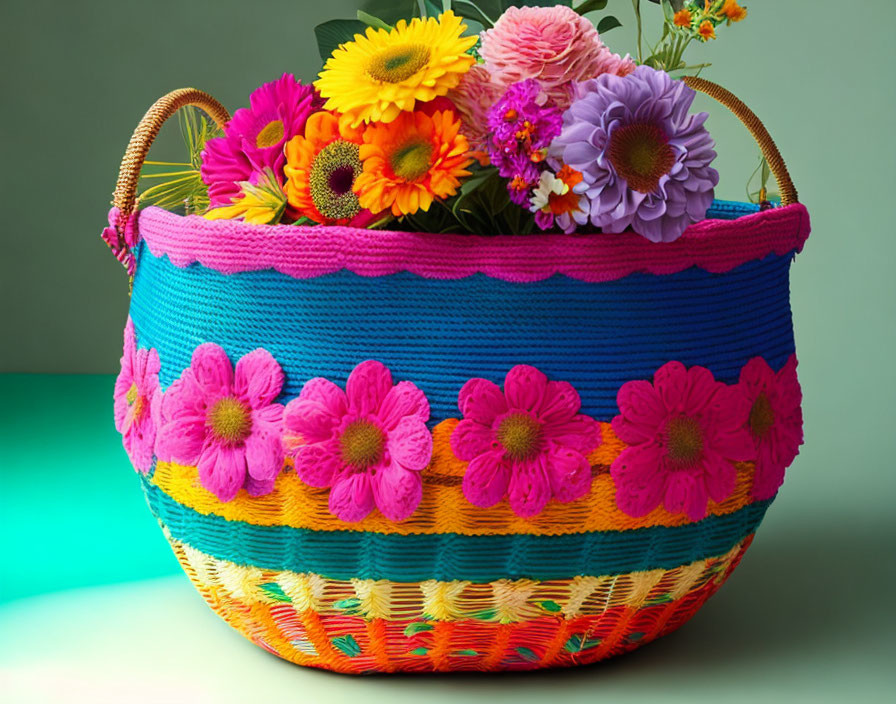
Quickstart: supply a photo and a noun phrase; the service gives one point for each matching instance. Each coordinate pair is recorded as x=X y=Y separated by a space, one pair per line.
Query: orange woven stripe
x=444 y=508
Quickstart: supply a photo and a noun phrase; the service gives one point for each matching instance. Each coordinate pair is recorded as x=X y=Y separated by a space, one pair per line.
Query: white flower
x=548 y=183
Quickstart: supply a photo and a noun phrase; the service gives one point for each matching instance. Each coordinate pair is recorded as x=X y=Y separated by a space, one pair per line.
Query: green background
x=809 y=614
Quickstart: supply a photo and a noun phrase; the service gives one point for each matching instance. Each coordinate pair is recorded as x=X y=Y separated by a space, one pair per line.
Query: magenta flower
x=254 y=138
x=684 y=432
x=775 y=421
x=136 y=393
x=645 y=161
x=130 y=237
x=367 y=443
x=528 y=443
x=224 y=421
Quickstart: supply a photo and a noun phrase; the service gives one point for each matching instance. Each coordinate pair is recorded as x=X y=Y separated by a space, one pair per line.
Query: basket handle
x=766 y=144
x=125 y=196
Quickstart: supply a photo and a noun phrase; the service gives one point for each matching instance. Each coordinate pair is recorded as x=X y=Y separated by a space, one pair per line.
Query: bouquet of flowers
x=454 y=122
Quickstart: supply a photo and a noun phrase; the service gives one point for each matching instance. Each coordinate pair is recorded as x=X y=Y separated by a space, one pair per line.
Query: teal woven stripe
x=449 y=556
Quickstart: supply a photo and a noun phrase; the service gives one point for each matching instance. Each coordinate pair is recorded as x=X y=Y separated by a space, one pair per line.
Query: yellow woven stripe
x=444 y=508
x=502 y=601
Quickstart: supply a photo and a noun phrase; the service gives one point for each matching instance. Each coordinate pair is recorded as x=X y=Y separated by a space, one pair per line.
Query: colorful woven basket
x=602 y=328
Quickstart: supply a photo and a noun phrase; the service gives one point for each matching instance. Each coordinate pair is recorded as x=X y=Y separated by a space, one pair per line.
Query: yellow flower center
x=362 y=444
x=762 y=416
x=684 y=440
x=135 y=401
x=411 y=160
x=270 y=136
x=641 y=155
x=520 y=435
x=397 y=63
x=229 y=420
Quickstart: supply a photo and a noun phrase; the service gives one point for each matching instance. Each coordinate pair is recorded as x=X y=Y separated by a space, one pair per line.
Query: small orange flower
x=411 y=161
x=321 y=168
x=706 y=31
x=733 y=11
x=682 y=18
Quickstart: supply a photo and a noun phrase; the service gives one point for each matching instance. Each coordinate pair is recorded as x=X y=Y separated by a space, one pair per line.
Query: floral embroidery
x=130 y=237
x=775 y=421
x=136 y=393
x=683 y=431
x=368 y=443
x=527 y=443
x=224 y=421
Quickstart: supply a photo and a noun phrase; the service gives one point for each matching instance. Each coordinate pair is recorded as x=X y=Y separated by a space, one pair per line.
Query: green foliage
x=579 y=642
x=527 y=654
x=417 y=627
x=335 y=32
x=761 y=176
x=347 y=645
x=551 y=606
x=178 y=186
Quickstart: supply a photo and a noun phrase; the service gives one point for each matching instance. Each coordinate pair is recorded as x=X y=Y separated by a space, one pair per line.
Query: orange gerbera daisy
x=706 y=30
x=321 y=169
x=412 y=161
x=682 y=18
x=733 y=11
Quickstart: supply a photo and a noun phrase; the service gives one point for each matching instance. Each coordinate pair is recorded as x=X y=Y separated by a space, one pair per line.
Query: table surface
x=93 y=606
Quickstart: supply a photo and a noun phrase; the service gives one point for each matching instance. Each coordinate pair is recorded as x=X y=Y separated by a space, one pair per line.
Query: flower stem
x=636 y=4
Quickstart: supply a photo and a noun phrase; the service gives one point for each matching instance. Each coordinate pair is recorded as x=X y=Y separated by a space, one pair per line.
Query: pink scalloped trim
x=304 y=252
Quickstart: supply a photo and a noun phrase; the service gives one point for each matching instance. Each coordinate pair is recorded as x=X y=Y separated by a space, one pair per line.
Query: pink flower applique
x=136 y=392
x=528 y=443
x=223 y=420
x=368 y=443
x=684 y=432
x=775 y=421
x=122 y=251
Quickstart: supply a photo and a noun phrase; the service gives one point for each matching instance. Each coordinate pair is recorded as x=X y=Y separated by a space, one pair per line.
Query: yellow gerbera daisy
x=383 y=73
x=261 y=203
x=411 y=161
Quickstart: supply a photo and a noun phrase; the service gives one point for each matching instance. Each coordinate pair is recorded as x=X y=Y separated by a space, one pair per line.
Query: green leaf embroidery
x=419 y=651
x=347 y=644
x=466 y=653
x=352 y=603
x=273 y=590
x=577 y=643
x=417 y=627
x=527 y=654
x=551 y=606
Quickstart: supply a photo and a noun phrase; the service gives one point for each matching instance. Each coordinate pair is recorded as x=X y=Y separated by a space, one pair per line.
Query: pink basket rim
x=230 y=247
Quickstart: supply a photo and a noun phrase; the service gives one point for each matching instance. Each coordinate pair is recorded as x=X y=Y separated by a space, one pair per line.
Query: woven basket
x=457 y=586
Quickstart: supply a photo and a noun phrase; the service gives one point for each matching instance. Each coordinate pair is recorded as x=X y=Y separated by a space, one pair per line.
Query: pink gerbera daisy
x=136 y=390
x=367 y=443
x=254 y=138
x=528 y=443
x=775 y=421
x=224 y=421
x=684 y=432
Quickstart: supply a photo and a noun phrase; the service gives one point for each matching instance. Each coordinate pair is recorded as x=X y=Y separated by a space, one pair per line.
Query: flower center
x=397 y=63
x=520 y=435
x=270 y=136
x=229 y=420
x=332 y=175
x=135 y=400
x=411 y=160
x=362 y=444
x=641 y=155
x=762 y=416
x=684 y=440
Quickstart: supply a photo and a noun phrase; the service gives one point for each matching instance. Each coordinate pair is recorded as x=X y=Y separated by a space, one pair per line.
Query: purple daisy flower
x=254 y=138
x=645 y=161
x=522 y=125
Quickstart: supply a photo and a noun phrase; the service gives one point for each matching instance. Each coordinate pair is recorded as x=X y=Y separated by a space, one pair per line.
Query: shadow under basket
x=457 y=586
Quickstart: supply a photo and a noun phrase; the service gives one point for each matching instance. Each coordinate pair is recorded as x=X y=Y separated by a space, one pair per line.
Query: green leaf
x=335 y=32
x=527 y=654
x=590 y=6
x=372 y=21
x=635 y=637
x=347 y=644
x=466 y=653
x=486 y=615
x=551 y=606
x=578 y=642
x=419 y=651
x=607 y=23
x=661 y=599
x=273 y=590
x=352 y=603
x=417 y=627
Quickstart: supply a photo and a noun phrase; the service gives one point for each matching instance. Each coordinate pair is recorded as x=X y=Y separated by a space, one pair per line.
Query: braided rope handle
x=125 y=196
x=766 y=144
